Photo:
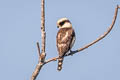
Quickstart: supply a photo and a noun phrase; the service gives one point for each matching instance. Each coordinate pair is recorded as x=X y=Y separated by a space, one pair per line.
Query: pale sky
x=20 y=30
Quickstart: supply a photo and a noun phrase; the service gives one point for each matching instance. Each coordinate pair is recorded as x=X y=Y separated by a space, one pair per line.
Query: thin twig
x=38 y=48
x=102 y=36
x=51 y=59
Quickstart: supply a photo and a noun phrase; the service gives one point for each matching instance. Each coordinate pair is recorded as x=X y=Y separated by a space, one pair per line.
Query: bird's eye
x=62 y=23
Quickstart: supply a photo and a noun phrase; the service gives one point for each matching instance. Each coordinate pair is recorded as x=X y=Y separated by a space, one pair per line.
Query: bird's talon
x=71 y=51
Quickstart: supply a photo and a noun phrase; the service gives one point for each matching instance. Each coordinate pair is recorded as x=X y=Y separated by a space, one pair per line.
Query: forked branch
x=42 y=55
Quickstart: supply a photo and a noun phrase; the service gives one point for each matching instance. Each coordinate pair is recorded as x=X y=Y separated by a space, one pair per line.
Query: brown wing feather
x=64 y=40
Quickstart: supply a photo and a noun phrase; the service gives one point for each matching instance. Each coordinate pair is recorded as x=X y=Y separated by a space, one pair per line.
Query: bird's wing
x=64 y=40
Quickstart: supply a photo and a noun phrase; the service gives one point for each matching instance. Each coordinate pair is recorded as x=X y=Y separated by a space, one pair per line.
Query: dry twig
x=38 y=48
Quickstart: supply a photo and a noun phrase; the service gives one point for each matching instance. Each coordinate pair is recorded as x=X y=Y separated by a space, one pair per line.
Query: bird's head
x=64 y=23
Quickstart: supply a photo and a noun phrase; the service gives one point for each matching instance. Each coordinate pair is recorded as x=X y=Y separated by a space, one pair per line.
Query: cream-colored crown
x=61 y=20
x=67 y=23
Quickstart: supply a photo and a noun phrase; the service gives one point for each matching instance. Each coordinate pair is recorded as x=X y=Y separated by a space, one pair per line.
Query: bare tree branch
x=43 y=35
x=37 y=70
x=93 y=42
x=102 y=36
x=51 y=59
x=42 y=60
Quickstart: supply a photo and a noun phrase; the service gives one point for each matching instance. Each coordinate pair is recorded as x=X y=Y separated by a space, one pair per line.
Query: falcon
x=65 y=39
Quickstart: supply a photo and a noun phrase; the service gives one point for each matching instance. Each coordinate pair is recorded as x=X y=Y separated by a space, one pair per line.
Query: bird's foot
x=71 y=52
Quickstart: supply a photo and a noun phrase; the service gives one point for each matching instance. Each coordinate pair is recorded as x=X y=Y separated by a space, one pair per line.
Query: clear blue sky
x=20 y=30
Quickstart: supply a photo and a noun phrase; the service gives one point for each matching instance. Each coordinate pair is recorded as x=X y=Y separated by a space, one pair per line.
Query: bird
x=65 y=39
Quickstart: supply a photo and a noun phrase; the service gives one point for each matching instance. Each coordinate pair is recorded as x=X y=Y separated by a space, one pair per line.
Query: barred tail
x=60 y=62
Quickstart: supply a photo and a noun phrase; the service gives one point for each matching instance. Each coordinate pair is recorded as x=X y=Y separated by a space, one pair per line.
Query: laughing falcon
x=65 y=39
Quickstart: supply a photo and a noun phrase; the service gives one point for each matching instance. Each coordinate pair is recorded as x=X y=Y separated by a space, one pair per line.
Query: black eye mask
x=61 y=24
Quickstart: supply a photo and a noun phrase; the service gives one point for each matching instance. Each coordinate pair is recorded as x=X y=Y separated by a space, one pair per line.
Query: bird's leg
x=71 y=52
